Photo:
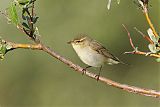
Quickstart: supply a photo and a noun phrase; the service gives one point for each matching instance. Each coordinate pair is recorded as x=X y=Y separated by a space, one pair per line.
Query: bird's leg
x=99 y=73
x=84 y=70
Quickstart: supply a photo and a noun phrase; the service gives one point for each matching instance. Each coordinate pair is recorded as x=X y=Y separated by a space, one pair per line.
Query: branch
x=144 y=36
x=129 y=36
x=128 y=88
x=25 y=46
x=135 y=50
x=150 y=23
x=144 y=6
x=6 y=46
x=143 y=53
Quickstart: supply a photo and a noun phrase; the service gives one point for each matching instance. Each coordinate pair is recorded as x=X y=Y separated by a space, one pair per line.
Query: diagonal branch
x=128 y=88
x=150 y=23
x=129 y=36
x=144 y=5
x=144 y=36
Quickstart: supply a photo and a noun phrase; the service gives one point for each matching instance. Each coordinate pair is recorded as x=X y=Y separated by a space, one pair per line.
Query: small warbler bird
x=92 y=52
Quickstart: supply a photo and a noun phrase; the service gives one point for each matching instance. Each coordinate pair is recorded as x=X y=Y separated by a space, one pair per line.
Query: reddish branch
x=129 y=36
x=144 y=36
x=128 y=88
x=135 y=50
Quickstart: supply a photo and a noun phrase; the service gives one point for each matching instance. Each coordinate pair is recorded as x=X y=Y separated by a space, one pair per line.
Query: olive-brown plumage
x=92 y=52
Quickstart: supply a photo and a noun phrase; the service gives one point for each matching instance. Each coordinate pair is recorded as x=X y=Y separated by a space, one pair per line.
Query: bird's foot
x=97 y=77
x=84 y=70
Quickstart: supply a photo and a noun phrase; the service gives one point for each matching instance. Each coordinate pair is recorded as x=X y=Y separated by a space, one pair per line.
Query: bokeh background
x=34 y=79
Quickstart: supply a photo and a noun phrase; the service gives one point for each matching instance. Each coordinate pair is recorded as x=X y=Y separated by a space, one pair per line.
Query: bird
x=92 y=52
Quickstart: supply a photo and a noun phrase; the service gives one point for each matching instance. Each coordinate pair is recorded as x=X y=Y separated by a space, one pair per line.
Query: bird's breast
x=89 y=56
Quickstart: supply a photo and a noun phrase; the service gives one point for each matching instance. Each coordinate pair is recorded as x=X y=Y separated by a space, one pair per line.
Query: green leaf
x=36 y=32
x=118 y=1
x=35 y=19
x=153 y=48
x=109 y=4
x=13 y=15
x=25 y=25
x=158 y=59
x=152 y=36
x=23 y=2
x=3 y=51
x=4 y=48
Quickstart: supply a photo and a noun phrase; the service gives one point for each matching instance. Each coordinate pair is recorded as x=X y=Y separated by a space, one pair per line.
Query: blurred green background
x=34 y=79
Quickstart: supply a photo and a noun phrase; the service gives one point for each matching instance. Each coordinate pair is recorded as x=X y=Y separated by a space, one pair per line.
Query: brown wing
x=102 y=50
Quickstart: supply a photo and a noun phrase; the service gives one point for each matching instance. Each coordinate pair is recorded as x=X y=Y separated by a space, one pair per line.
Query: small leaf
x=3 y=51
x=141 y=3
x=12 y=12
x=118 y=1
x=24 y=14
x=25 y=25
x=8 y=47
x=31 y=1
x=109 y=4
x=4 y=48
x=158 y=59
x=28 y=18
x=23 y=17
x=36 y=32
x=35 y=19
x=23 y=2
x=145 y=1
x=153 y=48
x=152 y=36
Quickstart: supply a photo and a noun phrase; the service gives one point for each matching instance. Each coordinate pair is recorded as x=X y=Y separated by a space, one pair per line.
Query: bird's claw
x=83 y=71
x=97 y=77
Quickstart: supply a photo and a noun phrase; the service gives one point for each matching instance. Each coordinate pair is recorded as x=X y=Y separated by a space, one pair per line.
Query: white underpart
x=91 y=57
x=111 y=61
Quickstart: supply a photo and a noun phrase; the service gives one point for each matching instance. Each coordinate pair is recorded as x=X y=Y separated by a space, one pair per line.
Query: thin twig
x=143 y=53
x=149 y=21
x=31 y=18
x=144 y=36
x=129 y=36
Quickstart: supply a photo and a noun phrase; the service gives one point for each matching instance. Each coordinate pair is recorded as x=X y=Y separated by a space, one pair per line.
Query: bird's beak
x=69 y=42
